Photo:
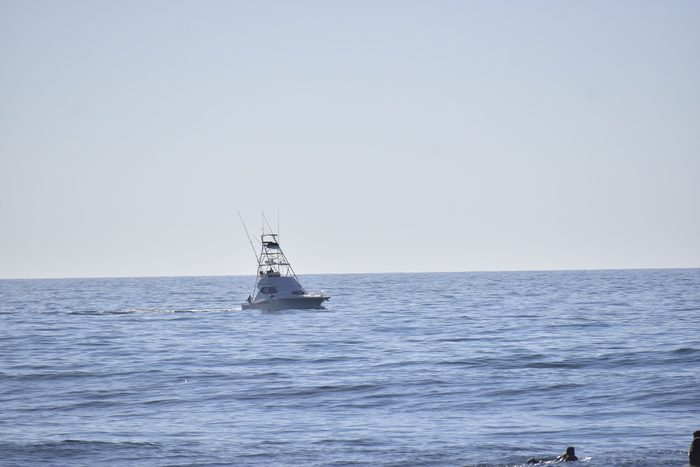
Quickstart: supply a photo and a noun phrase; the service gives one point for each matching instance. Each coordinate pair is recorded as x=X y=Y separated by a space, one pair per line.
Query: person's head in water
x=569 y=456
x=694 y=450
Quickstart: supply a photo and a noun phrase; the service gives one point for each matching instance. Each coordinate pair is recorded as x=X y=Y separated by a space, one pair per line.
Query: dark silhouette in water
x=569 y=455
x=694 y=450
x=532 y=460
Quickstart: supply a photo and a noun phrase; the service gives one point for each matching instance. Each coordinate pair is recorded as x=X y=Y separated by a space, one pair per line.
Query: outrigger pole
x=268 y=224
x=247 y=235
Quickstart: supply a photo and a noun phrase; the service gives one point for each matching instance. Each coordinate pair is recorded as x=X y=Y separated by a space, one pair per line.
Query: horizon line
x=355 y=273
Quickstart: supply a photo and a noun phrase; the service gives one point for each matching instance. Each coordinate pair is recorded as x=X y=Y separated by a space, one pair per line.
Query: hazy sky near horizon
x=387 y=136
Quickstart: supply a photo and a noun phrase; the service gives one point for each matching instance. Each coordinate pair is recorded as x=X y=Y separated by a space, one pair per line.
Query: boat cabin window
x=268 y=290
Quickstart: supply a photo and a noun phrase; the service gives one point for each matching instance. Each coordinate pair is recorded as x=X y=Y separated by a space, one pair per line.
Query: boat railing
x=318 y=293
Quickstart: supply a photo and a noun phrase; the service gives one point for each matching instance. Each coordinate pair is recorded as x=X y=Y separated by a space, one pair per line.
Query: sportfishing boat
x=276 y=284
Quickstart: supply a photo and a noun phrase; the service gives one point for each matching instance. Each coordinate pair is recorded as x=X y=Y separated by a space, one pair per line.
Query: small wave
x=686 y=351
x=127 y=311
x=68 y=451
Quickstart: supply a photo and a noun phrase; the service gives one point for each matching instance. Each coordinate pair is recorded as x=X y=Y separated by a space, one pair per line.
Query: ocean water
x=444 y=369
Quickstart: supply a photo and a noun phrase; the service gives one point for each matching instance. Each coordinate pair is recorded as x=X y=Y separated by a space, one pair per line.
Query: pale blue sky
x=391 y=136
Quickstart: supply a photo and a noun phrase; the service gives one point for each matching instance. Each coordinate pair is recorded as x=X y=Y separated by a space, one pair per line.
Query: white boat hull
x=298 y=303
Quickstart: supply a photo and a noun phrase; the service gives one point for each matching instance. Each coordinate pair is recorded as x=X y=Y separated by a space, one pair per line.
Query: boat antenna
x=247 y=235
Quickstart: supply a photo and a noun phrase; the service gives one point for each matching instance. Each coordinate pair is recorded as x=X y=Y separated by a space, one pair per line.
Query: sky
x=378 y=136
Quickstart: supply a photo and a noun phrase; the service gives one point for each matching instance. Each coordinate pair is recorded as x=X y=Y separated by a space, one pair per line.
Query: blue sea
x=428 y=369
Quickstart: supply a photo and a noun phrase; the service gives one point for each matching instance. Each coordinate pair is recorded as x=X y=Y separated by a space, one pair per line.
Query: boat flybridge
x=276 y=284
